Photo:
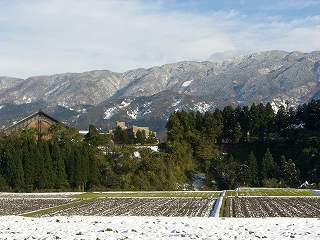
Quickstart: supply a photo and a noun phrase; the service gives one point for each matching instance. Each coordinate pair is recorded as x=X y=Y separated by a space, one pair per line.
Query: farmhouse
x=39 y=121
x=132 y=130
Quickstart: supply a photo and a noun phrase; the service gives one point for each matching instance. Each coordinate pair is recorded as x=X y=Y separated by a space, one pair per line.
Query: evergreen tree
x=92 y=136
x=45 y=179
x=217 y=115
x=254 y=122
x=187 y=121
x=70 y=135
x=227 y=173
x=49 y=169
x=281 y=119
x=120 y=136
x=81 y=168
x=38 y=168
x=181 y=155
x=153 y=166
x=244 y=120
x=198 y=121
x=3 y=184
x=68 y=158
x=192 y=121
x=174 y=128
x=141 y=136
x=28 y=155
x=237 y=114
x=268 y=166
x=152 y=138
x=212 y=126
x=311 y=115
x=281 y=170
x=251 y=173
x=204 y=153
x=291 y=174
x=262 y=122
x=94 y=172
x=228 y=123
x=14 y=173
x=55 y=131
x=237 y=133
x=58 y=166
x=269 y=119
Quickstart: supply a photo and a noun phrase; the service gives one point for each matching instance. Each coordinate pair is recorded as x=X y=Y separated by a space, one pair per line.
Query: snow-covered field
x=74 y=225
x=124 y=227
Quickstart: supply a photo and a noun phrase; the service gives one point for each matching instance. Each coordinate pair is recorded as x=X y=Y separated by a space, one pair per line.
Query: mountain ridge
x=270 y=76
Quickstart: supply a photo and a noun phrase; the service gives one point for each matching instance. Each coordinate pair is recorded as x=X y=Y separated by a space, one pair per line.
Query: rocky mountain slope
x=147 y=96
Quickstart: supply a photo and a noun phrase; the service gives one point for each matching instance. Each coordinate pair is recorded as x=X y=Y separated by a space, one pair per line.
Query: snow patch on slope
x=125 y=103
x=109 y=112
x=27 y=99
x=176 y=103
x=202 y=107
x=187 y=83
x=133 y=114
x=139 y=112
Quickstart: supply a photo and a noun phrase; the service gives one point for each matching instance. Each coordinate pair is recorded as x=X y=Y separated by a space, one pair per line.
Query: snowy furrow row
x=276 y=207
x=170 y=207
x=16 y=206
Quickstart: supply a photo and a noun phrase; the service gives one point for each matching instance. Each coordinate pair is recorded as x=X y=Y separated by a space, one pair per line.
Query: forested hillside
x=249 y=146
x=233 y=147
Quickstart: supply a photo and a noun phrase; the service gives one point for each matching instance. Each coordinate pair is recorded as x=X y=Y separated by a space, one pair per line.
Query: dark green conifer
x=251 y=174
x=14 y=173
x=58 y=166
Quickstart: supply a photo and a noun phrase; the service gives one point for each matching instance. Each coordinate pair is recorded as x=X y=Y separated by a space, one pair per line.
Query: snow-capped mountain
x=147 y=95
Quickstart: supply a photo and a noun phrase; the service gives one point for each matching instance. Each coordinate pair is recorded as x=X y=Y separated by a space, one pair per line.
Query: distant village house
x=132 y=130
x=40 y=121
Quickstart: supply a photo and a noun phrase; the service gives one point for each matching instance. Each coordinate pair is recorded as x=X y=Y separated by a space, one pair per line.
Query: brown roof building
x=40 y=121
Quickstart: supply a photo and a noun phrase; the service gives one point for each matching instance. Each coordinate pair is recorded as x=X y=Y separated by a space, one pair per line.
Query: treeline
x=30 y=163
x=249 y=146
x=233 y=147
x=68 y=162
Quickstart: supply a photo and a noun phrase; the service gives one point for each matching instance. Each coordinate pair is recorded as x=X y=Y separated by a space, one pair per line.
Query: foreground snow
x=79 y=227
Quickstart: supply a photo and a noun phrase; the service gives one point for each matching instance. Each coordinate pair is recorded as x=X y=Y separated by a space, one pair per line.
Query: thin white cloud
x=292 y=4
x=220 y=56
x=47 y=37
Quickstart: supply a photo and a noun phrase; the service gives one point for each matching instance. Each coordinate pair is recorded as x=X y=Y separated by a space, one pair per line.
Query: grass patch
x=56 y=208
x=270 y=192
x=151 y=194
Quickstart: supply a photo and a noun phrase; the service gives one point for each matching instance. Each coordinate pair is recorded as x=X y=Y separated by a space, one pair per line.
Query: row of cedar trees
x=67 y=161
x=64 y=162
x=242 y=146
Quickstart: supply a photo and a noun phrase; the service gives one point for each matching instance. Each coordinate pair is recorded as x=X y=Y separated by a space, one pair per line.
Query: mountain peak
x=270 y=76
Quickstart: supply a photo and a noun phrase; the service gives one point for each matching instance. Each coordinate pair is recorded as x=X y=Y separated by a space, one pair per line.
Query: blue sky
x=44 y=37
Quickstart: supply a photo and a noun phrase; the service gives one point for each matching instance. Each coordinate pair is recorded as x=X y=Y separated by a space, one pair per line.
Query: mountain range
x=146 y=97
